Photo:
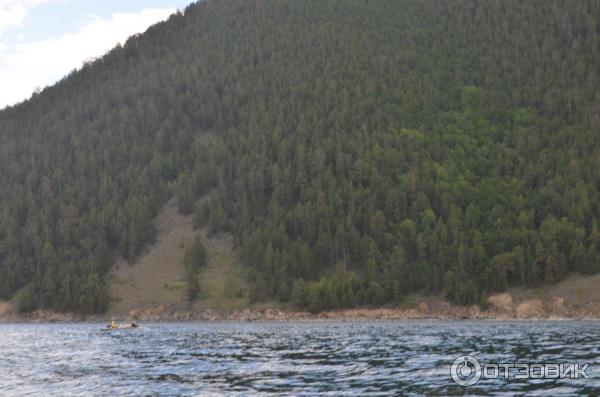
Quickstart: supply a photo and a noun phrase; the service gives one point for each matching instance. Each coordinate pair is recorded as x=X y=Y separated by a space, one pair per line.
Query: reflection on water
x=351 y=358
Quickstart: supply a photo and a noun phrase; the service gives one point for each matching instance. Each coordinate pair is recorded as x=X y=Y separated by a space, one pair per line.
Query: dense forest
x=359 y=151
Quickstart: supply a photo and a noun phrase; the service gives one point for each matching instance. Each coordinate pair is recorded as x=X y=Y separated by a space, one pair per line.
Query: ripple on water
x=350 y=358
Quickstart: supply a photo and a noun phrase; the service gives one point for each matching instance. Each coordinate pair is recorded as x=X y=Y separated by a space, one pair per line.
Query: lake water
x=296 y=358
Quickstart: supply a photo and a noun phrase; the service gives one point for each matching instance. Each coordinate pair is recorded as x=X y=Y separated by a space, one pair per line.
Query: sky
x=41 y=41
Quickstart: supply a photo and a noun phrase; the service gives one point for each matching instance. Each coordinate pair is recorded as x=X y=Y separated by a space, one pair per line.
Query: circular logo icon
x=465 y=371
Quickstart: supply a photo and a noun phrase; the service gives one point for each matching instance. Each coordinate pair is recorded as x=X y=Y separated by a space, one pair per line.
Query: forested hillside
x=358 y=150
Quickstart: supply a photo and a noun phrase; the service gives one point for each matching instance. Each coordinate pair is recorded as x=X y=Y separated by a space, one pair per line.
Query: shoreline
x=311 y=320
x=501 y=308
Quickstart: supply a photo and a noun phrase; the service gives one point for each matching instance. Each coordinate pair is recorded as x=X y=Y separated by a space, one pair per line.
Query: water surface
x=295 y=358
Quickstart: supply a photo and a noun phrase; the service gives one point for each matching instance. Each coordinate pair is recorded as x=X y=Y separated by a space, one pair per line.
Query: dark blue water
x=334 y=358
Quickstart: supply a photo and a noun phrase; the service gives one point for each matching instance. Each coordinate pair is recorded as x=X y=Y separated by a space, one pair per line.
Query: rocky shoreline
x=500 y=307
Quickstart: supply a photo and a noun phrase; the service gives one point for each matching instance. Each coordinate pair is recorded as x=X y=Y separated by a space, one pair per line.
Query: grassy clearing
x=223 y=281
x=157 y=277
x=577 y=290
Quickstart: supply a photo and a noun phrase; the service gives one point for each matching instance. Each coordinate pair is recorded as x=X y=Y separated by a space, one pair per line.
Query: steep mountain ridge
x=358 y=151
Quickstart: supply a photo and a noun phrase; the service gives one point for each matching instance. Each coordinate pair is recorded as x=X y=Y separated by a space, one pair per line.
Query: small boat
x=114 y=326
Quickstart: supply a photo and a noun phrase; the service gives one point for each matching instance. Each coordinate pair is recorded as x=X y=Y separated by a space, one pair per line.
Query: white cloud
x=29 y=65
x=13 y=12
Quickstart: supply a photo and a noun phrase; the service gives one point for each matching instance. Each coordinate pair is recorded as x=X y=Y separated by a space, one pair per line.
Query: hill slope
x=157 y=281
x=358 y=151
x=157 y=277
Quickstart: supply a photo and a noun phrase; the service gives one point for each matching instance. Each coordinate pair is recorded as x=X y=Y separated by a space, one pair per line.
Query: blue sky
x=43 y=40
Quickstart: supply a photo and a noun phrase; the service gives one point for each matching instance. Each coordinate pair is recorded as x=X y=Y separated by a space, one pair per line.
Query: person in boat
x=112 y=325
